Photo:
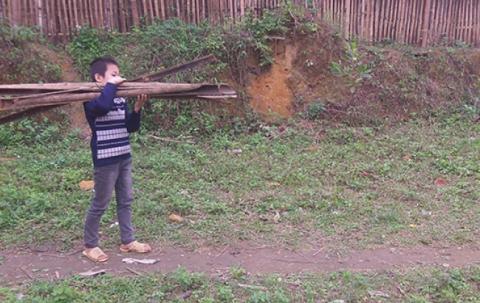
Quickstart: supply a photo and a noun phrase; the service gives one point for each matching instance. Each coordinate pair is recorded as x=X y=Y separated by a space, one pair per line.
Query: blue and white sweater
x=111 y=123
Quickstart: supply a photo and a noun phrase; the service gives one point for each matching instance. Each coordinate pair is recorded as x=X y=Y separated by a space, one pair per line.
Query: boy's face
x=112 y=71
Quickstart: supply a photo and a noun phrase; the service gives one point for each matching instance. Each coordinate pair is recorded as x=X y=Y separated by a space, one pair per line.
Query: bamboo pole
x=41 y=19
x=122 y=17
x=469 y=22
x=449 y=19
x=462 y=20
x=151 y=10
x=397 y=25
x=439 y=22
x=388 y=25
x=391 y=21
x=156 y=8
x=162 y=10
x=134 y=9
x=66 y=19
x=24 y=13
x=384 y=25
x=459 y=25
x=221 y=16
x=34 y=13
x=445 y=19
x=144 y=10
x=60 y=19
x=401 y=35
x=426 y=23
x=71 y=18
x=476 y=25
x=457 y=21
x=2 y=10
x=79 y=4
x=346 y=19
x=371 y=15
x=417 y=24
x=94 y=8
x=362 y=21
x=408 y=20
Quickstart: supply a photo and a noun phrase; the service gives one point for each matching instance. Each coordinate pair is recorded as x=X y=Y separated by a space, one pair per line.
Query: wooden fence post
x=2 y=11
x=426 y=24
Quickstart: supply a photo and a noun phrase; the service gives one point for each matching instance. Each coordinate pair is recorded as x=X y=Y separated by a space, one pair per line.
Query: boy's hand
x=116 y=80
x=141 y=99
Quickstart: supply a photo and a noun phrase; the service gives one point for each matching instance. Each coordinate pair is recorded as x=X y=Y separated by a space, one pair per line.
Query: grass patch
x=361 y=187
x=434 y=285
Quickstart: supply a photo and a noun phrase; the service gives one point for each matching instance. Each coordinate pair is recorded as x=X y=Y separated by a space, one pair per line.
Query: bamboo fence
x=418 y=22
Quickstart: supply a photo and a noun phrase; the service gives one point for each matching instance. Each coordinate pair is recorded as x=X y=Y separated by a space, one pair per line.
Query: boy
x=111 y=123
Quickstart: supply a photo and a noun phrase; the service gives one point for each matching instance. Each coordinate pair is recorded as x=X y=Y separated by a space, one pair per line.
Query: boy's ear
x=98 y=77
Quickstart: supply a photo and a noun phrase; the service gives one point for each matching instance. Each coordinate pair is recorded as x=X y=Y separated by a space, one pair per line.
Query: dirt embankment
x=74 y=111
x=362 y=84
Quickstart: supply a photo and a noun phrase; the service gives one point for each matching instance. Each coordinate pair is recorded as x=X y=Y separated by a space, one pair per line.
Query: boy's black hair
x=99 y=66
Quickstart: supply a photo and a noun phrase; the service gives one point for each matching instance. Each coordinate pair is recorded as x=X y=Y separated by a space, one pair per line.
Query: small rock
x=337 y=301
x=235 y=151
x=440 y=182
x=446 y=265
x=426 y=213
x=176 y=218
x=376 y=293
x=86 y=185
x=276 y=218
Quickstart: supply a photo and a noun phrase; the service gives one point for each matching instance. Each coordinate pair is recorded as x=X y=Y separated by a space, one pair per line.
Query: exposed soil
x=362 y=84
x=270 y=93
x=74 y=111
x=18 y=267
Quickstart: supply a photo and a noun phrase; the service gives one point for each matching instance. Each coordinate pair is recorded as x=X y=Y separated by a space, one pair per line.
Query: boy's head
x=102 y=69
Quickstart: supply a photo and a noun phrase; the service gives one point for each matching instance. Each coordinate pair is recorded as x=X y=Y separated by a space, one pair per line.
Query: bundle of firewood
x=19 y=100
x=24 y=96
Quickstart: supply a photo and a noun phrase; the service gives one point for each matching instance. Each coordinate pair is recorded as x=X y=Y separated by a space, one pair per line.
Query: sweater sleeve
x=133 y=121
x=104 y=103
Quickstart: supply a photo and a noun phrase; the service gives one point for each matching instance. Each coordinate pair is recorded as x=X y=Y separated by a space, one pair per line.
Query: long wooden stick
x=156 y=89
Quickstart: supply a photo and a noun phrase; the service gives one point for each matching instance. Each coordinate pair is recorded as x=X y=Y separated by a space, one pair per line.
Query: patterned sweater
x=111 y=123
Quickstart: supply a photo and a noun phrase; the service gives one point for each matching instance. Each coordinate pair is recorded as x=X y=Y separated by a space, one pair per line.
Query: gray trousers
x=117 y=176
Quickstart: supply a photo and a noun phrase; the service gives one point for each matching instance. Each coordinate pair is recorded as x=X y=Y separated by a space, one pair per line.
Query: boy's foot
x=136 y=247
x=95 y=254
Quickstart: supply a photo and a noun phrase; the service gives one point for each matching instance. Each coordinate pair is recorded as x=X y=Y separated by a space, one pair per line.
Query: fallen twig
x=75 y=252
x=92 y=273
x=51 y=255
x=317 y=252
x=134 y=271
x=222 y=252
x=294 y=261
x=27 y=273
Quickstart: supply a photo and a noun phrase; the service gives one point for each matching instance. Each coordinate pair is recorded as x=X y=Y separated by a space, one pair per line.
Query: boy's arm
x=133 y=118
x=133 y=121
x=104 y=103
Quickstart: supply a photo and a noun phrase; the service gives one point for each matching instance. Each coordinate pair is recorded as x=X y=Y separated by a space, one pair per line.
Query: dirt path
x=20 y=267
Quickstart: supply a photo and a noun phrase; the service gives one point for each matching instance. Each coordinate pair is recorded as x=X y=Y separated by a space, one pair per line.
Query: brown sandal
x=95 y=254
x=135 y=247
